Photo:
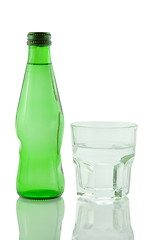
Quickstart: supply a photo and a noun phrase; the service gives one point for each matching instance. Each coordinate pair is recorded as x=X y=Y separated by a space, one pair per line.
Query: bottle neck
x=39 y=55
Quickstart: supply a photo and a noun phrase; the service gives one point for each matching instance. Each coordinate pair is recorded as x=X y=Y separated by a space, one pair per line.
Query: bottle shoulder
x=39 y=99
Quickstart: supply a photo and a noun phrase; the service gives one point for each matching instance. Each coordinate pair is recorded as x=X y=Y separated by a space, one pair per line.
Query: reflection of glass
x=40 y=220
x=103 y=153
x=103 y=220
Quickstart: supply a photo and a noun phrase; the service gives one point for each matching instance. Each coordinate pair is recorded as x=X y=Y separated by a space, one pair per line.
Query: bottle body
x=39 y=126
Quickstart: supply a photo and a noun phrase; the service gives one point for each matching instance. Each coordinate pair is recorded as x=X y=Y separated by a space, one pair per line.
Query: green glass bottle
x=39 y=125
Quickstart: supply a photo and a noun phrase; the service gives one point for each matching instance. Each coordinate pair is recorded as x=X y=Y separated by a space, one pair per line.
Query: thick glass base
x=40 y=194
x=103 y=180
x=102 y=193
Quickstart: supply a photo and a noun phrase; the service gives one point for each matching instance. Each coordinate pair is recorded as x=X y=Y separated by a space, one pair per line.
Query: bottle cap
x=39 y=39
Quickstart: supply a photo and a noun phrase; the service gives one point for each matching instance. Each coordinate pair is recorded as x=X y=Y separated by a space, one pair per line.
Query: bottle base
x=40 y=194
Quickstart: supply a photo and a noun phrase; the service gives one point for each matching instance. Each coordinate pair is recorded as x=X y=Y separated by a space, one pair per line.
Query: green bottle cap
x=39 y=39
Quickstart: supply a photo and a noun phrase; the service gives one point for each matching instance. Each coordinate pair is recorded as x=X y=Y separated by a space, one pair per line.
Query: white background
x=108 y=61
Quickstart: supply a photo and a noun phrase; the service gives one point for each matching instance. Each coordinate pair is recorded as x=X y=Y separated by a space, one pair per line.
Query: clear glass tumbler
x=103 y=153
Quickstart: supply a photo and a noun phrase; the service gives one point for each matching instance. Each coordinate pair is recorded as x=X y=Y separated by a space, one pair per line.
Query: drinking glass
x=103 y=153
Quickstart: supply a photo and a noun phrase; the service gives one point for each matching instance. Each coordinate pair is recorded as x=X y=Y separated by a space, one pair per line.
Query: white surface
x=108 y=61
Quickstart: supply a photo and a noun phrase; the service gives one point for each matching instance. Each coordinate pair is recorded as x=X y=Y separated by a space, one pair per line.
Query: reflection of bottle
x=103 y=220
x=40 y=220
x=39 y=125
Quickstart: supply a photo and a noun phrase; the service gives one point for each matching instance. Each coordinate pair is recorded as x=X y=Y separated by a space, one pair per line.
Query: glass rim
x=104 y=124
